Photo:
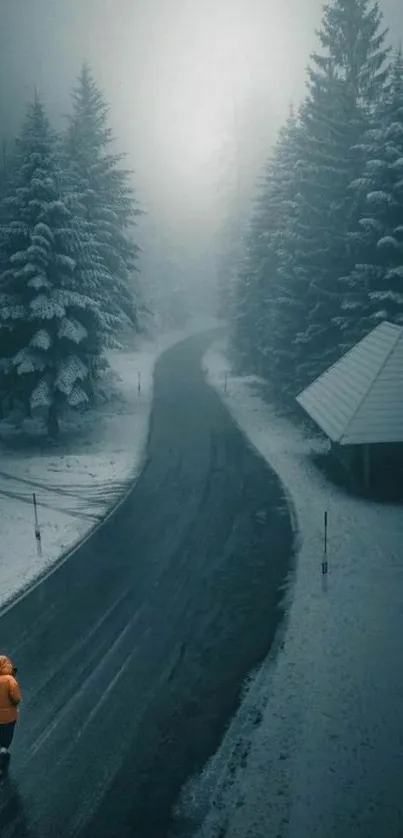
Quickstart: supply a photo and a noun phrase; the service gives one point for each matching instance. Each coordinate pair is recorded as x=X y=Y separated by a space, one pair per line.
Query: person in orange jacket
x=10 y=697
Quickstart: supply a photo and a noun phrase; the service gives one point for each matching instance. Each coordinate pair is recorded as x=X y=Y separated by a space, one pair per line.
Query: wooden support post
x=366 y=466
x=325 y=565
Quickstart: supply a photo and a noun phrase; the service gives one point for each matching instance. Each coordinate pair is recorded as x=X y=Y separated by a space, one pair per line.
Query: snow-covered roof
x=360 y=398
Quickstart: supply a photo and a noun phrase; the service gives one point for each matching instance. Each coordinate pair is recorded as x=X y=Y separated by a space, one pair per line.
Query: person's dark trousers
x=6 y=734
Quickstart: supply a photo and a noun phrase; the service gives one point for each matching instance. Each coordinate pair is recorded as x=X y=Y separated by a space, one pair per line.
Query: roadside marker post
x=225 y=381
x=37 y=528
x=139 y=383
x=325 y=565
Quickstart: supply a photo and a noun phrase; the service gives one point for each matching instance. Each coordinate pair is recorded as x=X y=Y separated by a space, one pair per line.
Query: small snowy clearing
x=315 y=750
x=76 y=480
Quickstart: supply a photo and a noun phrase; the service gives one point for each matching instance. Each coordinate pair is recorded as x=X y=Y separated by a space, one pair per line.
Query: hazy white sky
x=182 y=76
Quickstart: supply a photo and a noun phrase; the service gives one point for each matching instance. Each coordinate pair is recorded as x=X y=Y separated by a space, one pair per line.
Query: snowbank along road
x=132 y=654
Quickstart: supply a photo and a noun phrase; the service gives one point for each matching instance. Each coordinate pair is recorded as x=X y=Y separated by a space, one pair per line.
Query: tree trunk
x=53 y=422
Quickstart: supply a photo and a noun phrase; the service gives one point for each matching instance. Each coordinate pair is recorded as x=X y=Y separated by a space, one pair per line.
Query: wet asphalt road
x=133 y=653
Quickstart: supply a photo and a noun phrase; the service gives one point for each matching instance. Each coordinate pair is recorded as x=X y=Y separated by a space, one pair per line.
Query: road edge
x=287 y=494
x=24 y=591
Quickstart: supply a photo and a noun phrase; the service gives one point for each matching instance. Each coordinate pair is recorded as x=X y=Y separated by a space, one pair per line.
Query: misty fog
x=197 y=92
x=201 y=402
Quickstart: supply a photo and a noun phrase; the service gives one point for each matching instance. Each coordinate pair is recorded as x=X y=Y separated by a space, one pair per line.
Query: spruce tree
x=254 y=301
x=105 y=197
x=267 y=312
x=346 y=79
x=51 y=324
x=374 y=290
x=285 y=292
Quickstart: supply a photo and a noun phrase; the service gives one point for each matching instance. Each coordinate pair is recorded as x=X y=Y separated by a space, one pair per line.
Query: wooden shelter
x=358 y=402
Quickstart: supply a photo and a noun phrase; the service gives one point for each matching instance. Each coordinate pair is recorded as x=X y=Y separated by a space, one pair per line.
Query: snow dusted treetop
x=268 y=295
x=353 y=39
x=105 y=194
x=49 y=313
x=286 y=284
x=346 y=79
x=376 y=284
x=89 y=133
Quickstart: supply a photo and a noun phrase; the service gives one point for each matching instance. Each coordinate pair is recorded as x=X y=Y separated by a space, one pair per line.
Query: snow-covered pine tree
x=246 y=303
x=268 y=293
x=104 y=193
x=285 y=283
x=50 y=323
x=229 y=244
x=375 y=287
x=346 y=79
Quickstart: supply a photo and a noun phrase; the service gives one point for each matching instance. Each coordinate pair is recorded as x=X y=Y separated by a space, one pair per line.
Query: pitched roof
x=360 y=398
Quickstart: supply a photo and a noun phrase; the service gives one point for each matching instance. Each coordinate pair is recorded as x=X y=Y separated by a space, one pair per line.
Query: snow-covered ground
x=77 y=480
x=316 y=749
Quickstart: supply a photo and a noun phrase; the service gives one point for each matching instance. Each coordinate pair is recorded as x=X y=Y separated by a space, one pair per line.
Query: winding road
x=132 y=653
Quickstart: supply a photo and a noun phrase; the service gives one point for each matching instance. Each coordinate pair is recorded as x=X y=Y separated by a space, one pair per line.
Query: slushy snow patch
x=315 y=750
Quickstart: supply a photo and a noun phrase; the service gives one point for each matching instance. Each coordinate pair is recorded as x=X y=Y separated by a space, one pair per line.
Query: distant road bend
x=133 y=653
